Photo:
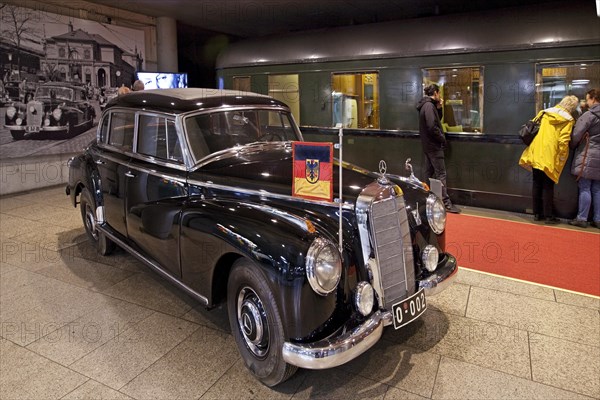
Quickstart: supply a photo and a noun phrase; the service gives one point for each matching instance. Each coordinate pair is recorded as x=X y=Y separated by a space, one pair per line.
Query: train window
x=242 y=83
x=462 y=91
x=285 y=88
x=355 y=100
x=555 y=81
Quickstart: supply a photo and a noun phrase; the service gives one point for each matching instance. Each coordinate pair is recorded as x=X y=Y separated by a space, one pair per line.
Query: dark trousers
x=435 y=167
x=543 y=194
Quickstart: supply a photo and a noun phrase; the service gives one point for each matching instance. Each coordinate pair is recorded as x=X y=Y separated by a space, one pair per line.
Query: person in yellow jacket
x=546 y=156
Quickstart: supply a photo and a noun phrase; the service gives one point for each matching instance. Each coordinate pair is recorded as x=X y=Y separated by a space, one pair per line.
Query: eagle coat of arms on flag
x=313 y=170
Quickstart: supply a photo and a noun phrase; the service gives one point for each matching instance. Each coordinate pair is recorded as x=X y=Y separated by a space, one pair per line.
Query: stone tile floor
x=75 y=325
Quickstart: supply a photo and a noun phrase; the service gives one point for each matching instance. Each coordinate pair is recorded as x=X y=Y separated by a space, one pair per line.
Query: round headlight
x=57 y=113
x=323 y=266
x=11 y=111
x=364 y=298
x=436 y=214
x=430 y=258
x=47 y=122
x=19 y=121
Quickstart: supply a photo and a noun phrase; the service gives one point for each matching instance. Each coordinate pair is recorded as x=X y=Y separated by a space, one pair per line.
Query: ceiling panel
x=251 y=18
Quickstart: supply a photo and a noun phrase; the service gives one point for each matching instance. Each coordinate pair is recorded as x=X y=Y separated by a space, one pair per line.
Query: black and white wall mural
x=49 y=62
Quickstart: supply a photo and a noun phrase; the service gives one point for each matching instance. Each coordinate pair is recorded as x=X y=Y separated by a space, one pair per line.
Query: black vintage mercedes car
x=197 y=183
x=57 y=111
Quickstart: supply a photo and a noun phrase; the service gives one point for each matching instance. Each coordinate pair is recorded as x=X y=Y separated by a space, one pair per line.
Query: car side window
x=174 y=151
x=103 y=130
x=122 y=126
x=157 y=137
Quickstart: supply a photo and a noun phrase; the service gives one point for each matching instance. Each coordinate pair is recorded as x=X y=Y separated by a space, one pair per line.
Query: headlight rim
x=425 y=255
x=12 y=110
x=57 y=111
x=317 y=246
x=359 y=295
x=432 y=201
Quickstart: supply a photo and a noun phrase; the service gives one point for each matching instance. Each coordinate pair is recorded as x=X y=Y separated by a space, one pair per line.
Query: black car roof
x=189 y=99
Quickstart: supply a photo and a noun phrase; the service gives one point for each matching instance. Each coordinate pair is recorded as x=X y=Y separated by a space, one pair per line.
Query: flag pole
x=341 y=139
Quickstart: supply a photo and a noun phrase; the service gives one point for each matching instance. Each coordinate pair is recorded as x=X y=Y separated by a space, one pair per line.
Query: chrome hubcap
x=252 y=322
x=90 y=221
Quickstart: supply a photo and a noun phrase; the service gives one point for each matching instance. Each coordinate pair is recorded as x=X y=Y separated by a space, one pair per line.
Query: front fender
x=275 y=240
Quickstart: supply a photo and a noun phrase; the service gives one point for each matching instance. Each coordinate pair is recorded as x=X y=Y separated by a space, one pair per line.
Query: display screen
x=162 y=80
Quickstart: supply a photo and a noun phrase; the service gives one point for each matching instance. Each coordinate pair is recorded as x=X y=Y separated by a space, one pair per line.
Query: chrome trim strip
x=115 y=159
x=81 y=124
x=156 y=173
x=134 y=109
x=152 y=264
x=329 y=353
x=232 y=108
x=159 y=161
x=185 y=144
x=265 y=194
x=114 y=149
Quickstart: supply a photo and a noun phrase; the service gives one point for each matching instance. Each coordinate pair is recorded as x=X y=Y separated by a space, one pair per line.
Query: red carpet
x=554 y=256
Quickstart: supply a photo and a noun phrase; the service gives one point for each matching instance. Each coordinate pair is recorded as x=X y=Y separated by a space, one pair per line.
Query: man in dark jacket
x=585 y=138
x=433 y=140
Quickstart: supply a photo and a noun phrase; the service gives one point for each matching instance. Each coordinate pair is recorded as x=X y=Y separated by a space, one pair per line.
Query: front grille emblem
x=382 y=170
x=382 y=167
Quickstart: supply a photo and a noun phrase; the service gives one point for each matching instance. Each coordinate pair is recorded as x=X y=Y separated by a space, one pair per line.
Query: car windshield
x=209 y=133
x=59 y=93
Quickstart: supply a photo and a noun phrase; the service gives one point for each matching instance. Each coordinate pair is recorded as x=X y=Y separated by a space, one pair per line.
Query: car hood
x=269 y=167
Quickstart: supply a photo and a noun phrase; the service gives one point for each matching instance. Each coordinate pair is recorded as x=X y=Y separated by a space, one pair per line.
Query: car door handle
x=129 y=174
x=100 y=162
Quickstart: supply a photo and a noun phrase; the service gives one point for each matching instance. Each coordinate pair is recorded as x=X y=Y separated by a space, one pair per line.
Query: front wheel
x=104 y=245
x=256 y=323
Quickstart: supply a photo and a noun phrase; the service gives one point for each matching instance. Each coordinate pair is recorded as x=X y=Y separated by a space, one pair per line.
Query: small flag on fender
x=313 y=170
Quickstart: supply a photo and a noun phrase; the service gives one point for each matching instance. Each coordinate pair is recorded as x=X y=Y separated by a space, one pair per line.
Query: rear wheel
x=104 y=245
x=256 y=323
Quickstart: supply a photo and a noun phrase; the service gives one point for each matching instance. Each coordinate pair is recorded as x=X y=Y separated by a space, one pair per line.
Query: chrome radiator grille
x=35 y=113
x=393 y=249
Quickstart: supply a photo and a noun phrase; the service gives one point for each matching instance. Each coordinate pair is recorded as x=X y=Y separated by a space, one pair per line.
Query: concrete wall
x=23 y=174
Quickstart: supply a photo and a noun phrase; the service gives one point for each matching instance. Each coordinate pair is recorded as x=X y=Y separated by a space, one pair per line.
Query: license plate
x=32 y=128
x=409 y=309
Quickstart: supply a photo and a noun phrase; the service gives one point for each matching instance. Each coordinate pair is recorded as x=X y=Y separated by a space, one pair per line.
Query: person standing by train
x=138 y=85
x=433 y=140
x=586 y=162
x=546 y=156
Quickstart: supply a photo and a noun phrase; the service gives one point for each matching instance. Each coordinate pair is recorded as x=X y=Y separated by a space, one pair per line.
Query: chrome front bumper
x=329 y=353
x=35 y=129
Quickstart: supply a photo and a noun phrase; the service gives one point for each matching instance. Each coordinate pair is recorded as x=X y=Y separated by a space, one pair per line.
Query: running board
x=151 y=263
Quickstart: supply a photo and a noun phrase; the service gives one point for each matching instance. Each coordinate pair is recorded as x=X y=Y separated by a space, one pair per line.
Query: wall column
x=166 y=43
